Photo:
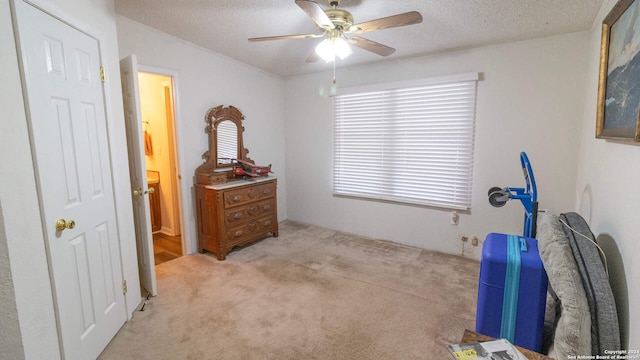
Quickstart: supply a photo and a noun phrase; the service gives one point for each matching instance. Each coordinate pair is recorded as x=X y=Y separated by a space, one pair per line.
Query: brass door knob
x=141 y=192
x=62 y=224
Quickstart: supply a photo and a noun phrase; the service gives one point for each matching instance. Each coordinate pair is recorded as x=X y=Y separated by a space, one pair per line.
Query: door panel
x=138 y=172
x=61 y=70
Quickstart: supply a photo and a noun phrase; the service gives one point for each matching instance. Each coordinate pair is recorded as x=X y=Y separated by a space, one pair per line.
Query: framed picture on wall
x=618 y=113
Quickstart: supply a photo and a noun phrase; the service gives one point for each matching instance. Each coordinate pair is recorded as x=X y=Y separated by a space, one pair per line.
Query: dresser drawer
x=238 y=235
x=242 y=196
x=249 y=211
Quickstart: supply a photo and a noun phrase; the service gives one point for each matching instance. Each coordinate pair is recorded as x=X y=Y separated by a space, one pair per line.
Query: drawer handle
x=266 y=192
x=266 y=207
x=238 y=233
x=237 y=215
x=236 y=198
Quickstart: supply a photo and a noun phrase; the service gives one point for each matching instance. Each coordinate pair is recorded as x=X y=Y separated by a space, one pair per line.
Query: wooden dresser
x=235 y=213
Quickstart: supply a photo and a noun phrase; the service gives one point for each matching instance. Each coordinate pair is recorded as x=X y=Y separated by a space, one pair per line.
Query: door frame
x=181 y=192
x=116 y=139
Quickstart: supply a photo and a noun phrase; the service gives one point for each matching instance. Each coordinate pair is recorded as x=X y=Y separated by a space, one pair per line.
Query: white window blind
x=410 y=143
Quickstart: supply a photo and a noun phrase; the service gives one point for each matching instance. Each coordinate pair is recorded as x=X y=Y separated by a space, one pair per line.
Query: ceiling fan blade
x=283 y=37
x=370 y=45
x=316 y=13
x=313 y=57
x=408 y=18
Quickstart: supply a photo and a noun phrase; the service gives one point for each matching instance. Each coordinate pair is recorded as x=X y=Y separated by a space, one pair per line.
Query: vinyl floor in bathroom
x=166 y=247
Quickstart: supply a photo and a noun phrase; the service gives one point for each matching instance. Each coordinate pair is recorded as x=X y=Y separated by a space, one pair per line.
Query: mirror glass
x=227 y=142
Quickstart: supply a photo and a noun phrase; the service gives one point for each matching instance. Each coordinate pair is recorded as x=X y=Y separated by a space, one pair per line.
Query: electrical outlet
x=464 y=238
x=474 y=241
x=454 y=218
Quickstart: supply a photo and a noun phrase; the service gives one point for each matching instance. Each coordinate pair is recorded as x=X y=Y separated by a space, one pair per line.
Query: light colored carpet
x=311 y=293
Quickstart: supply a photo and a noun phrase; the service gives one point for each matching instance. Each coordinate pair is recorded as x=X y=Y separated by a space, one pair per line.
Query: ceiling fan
x=336 y=23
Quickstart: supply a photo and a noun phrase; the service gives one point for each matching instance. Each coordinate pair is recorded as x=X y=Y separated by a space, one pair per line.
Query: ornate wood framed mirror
x=225 y=129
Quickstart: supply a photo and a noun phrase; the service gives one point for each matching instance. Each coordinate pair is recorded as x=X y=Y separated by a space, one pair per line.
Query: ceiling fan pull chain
x=334 y=71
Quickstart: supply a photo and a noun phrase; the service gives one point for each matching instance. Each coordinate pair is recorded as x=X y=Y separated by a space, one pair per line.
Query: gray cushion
x=573 y=322
x=605 y=331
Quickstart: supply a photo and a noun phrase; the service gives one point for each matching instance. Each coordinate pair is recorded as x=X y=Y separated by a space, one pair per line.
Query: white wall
x=10 y=337
x=23 y=226
x=204 y=80
x=526 y=101
x=607 y=182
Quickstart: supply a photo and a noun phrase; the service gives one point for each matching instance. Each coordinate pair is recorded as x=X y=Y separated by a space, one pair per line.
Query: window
x=408 y=142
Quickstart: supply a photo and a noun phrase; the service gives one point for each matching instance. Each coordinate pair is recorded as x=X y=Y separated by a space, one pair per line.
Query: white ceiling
x=225 y=25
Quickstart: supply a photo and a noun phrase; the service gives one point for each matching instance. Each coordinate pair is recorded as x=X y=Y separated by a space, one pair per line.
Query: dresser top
x=240 y=182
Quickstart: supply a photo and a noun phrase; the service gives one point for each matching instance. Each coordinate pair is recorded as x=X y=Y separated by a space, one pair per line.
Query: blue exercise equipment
x=528 y=195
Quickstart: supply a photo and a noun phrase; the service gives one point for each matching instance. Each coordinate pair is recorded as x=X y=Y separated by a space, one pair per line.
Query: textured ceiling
x=225 y=25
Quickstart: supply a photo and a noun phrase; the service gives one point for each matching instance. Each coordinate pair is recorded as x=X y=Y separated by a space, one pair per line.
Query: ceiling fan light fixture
x=329 y=48
x=341 y=48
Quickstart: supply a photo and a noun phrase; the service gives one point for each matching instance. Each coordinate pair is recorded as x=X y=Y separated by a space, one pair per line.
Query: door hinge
x=124 y=287
x=103 y=76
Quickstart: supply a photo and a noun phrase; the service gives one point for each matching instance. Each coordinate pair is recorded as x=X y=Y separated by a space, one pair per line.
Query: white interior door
x=138 y=172
x=66 y=105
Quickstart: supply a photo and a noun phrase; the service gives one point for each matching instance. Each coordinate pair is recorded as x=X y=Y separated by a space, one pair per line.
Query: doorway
x=161 y=159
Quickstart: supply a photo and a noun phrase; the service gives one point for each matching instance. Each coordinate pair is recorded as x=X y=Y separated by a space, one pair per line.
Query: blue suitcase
x=512 y=291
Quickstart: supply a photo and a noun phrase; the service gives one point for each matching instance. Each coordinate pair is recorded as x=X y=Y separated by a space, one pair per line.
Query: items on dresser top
x=226 y=146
